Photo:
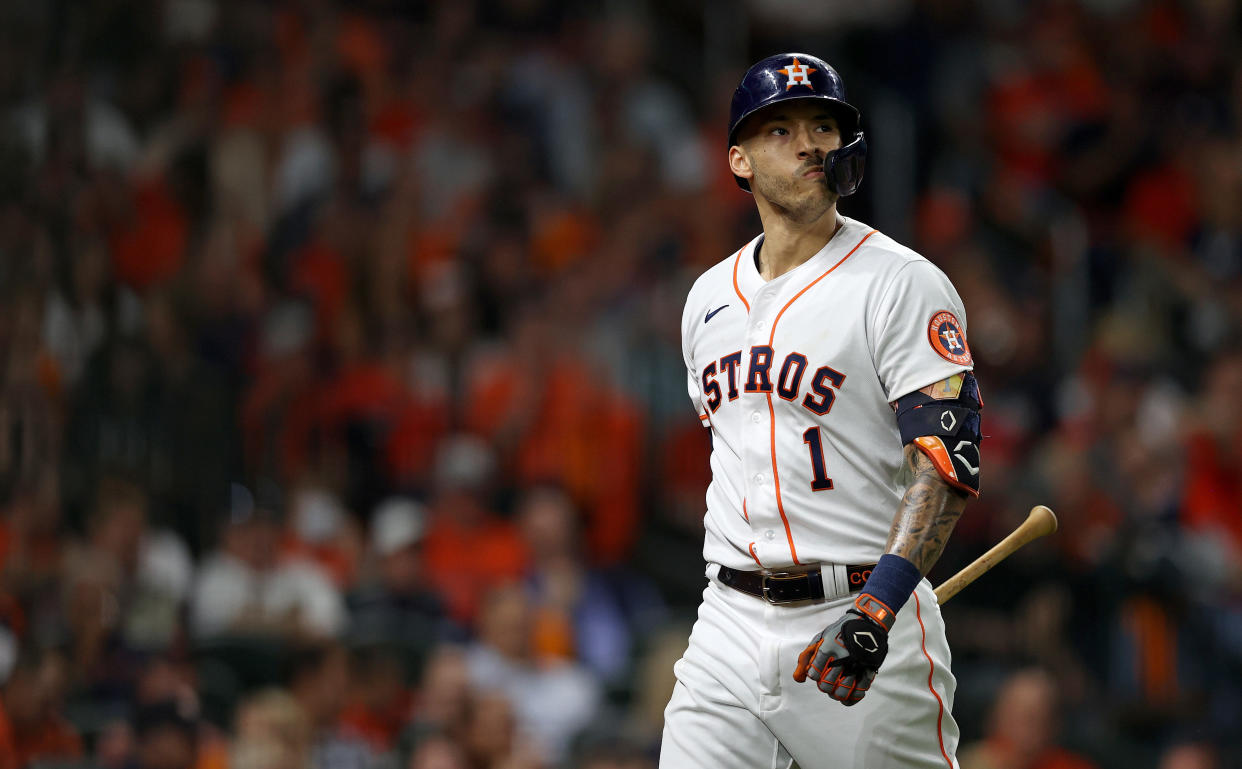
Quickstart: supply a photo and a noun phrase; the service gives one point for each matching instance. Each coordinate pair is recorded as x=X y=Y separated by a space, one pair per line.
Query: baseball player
x=832 y=367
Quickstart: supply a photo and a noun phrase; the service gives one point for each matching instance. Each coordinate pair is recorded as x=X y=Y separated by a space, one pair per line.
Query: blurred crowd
x=342 y=412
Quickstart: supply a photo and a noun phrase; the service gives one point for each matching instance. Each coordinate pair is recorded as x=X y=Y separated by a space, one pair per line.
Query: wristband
x=891 y=582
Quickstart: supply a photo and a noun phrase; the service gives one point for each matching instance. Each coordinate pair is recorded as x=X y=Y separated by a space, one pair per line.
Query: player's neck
x=787 y=244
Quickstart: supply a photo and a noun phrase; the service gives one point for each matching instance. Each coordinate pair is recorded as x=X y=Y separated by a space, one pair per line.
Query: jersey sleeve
x=692 y=380
x=696 y=396
x=918 y=330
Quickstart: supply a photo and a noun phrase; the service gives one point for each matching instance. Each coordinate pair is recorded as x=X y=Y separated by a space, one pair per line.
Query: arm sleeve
x=918 y=330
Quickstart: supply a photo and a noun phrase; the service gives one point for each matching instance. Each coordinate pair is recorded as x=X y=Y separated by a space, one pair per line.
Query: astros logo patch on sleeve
x=947 y=338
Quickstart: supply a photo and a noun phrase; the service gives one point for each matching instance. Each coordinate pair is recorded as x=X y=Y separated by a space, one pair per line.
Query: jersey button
x=761 y=325
x=758 y=477
x=754 y=417
x=769 y=534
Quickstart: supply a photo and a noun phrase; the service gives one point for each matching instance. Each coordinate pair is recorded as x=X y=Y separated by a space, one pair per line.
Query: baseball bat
x=1039 y=521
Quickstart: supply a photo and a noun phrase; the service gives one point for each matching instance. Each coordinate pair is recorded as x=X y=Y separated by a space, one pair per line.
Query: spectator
x=442 y=704
x=580 y=612
x=85 y=308
x=539 y=400
x=493 y=741
x=273 y=732
x=1023 y=728
x=1190 y=755
x=279 y=405
x=112 y=428
x=319 y=681
x=32 y=552
x=438 y=752
x=114 y=745
x=323 y=532
x=468 y=548
x=166 y=736
x=1213 y=491
x=378 y=706
x=152 y=567
x=243 y=588
x=551 y=699
x=393 y=605
x=108 y=138
x=198 y=443
x=33 y=701
x=652 y=116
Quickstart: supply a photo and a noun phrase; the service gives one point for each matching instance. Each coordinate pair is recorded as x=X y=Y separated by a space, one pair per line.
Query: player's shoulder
x=879 y=251
x=885 y=262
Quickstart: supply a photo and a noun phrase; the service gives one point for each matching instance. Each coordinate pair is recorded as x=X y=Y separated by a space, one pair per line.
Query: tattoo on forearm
x=927 y=514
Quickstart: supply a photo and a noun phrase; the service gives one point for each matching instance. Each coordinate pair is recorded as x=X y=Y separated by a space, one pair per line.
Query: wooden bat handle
x=1039 y=522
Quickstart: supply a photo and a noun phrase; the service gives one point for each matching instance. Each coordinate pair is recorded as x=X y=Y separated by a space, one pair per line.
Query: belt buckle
x=781 y=577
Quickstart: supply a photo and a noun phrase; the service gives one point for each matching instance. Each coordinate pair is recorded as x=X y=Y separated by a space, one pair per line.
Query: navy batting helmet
x=789 y=76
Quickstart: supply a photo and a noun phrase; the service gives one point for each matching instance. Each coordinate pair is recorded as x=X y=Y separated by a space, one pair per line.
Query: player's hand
x=843 y=658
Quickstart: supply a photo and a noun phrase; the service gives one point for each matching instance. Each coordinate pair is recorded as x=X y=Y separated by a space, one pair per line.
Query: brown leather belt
x=778 y=587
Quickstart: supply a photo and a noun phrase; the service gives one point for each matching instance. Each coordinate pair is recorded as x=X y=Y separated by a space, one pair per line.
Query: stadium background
x=342 y=417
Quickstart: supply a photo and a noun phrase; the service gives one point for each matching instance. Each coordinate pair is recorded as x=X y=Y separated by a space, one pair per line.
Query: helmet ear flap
x=844 y=167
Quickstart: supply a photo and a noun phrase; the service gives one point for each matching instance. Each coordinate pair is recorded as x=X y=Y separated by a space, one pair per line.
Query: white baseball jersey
x=795 y=377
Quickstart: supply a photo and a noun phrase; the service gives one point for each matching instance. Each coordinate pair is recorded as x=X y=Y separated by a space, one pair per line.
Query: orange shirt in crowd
x=576 y=432
x=463 y=562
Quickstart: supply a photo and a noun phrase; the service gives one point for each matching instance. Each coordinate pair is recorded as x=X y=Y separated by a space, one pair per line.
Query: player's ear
x=739 y=163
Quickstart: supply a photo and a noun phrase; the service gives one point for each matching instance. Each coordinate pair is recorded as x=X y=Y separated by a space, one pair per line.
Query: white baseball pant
x=736 y=705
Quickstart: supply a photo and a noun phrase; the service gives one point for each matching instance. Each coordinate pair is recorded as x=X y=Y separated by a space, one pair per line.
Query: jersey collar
x=747 y=277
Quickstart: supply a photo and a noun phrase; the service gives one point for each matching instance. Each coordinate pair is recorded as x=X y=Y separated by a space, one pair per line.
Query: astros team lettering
x=818 y=399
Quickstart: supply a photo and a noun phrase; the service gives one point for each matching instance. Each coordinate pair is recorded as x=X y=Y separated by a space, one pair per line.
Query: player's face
x=782 y=150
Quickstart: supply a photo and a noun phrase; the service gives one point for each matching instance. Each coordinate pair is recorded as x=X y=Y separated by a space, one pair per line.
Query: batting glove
x=844 y=657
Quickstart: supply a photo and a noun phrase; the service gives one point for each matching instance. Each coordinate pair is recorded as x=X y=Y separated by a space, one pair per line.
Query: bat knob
x=1047 y=520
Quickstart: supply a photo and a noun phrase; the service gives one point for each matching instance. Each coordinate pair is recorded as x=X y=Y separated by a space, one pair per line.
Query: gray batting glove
x=844 y=657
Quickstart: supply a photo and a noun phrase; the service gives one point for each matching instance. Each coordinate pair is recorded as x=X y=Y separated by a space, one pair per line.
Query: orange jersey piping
x=736 y=261
x=931 y=671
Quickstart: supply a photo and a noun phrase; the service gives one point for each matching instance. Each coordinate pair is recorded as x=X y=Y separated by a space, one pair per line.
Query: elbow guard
x=947 y=431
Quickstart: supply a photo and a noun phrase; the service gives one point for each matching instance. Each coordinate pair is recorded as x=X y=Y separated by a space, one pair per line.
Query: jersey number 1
x=821 y=481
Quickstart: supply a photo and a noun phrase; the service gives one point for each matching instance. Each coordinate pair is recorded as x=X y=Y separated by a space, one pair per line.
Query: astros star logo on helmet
x=798 y=74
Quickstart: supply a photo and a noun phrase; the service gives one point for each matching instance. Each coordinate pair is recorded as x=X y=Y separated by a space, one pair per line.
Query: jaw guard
x=844 y=167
